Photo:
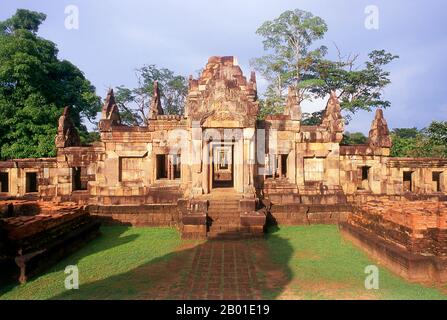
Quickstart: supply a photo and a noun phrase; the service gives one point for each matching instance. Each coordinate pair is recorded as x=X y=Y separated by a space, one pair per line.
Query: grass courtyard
x=309 y=262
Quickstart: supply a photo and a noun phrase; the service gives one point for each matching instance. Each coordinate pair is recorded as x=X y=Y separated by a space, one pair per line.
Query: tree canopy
x=34 y=88
x=134 y=103
x=293 y=59
x=428 y=142
x=354 y=138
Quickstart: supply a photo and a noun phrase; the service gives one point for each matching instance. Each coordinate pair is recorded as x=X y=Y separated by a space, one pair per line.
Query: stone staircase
x=224 y=219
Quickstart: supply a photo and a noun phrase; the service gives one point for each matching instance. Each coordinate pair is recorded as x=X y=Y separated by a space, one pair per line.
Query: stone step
x=225 y=224
x=223 y=207
x=225 y=236
x=224 y=202
x=223 y=214
x=226 y=219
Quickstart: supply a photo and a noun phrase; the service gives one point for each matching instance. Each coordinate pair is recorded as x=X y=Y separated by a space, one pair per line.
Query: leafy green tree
x=134 y=103
x=34 y=88
x=354 y=138
x=428 y=142
x=293 y=60
x=288 y=41
x=312 y=118
x=437 y=132
x=404 y=141
x=357 y=88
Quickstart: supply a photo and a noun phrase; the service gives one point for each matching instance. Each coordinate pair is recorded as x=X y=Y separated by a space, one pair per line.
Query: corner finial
x=155 y=107
x=379 y=135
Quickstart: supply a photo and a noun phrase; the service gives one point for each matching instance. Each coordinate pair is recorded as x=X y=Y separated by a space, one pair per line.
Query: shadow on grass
x=201 y=270
x=103 y=242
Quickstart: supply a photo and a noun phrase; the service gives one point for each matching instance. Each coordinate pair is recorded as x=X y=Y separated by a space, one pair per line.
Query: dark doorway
x=79 y=179
x=162 y=167
x=223 y=173
x=284 y=165
x=31 y=182
x=4 y=182
x=408 y=181
x=436 y=178
x=363 y=183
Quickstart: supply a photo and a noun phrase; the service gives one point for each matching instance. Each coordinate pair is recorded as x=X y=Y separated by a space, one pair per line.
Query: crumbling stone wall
x=418 y=226
x=48 y=232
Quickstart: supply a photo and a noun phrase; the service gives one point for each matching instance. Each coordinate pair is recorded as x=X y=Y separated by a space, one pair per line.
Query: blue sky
x=115 y=37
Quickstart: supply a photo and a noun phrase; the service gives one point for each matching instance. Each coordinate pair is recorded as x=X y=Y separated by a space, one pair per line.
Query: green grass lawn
x=308 y=262
x=117 y=251
x=320 y=264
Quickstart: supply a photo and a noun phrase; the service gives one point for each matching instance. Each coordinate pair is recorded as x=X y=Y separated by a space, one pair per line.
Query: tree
x=35 y=86
x=291 y=60
x=312 y=119
x=428 y=142
x=357 y=89
x=288 y=40
x=404 y=141
x=437 y=132
x=134 y=103
x=354 y=138
x=23 y=20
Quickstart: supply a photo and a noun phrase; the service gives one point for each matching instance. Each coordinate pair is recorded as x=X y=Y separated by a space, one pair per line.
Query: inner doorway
x=222 y=167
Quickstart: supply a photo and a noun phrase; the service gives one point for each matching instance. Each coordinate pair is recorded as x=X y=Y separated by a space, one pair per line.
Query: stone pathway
x=211 y=270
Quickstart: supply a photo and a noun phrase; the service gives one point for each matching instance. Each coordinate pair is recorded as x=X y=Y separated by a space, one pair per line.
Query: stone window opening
x=437 y=181
x=168 y=167
x=79 y=180
x=4 y=182
x=31 y=182
x=363 y=182
x=276 y=166
x=408 y=181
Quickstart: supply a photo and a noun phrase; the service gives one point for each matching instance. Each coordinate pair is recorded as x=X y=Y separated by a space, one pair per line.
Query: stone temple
x=218 y=172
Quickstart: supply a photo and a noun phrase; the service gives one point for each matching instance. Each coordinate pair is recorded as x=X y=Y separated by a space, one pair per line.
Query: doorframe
x=210 y=166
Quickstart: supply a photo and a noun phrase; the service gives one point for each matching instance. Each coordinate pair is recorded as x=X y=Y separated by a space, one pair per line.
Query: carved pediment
x=223 y=91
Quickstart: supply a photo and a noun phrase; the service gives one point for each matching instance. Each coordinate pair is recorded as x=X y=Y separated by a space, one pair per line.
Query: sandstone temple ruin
x=218 y=171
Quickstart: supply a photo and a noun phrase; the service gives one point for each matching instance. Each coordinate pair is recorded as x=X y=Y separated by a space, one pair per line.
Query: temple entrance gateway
x=222 y=167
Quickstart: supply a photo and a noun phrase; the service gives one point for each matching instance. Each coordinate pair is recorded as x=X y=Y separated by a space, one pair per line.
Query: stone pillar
x=279 y=160
x=248 y=160
x=196 y=158
x=291 y=167
x=239 y=172
x=14 y=181
x=299 y=161
x=207 y=148
x=274 y=165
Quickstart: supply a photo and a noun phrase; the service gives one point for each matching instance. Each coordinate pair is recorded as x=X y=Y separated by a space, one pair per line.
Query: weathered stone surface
x=292 y=108
x=67 y=134
x=32 y=243
x=379 y=135
x=172 y=170
x=222 y=96
x=155 y=108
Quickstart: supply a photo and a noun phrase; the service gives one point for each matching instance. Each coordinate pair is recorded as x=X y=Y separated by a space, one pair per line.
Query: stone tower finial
x=379 y=135
x=110 y=109
x=108 y=104
x=332 y=118
x=155 y=107
x=110 y=113
x=67 y=134
x=293 y=108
